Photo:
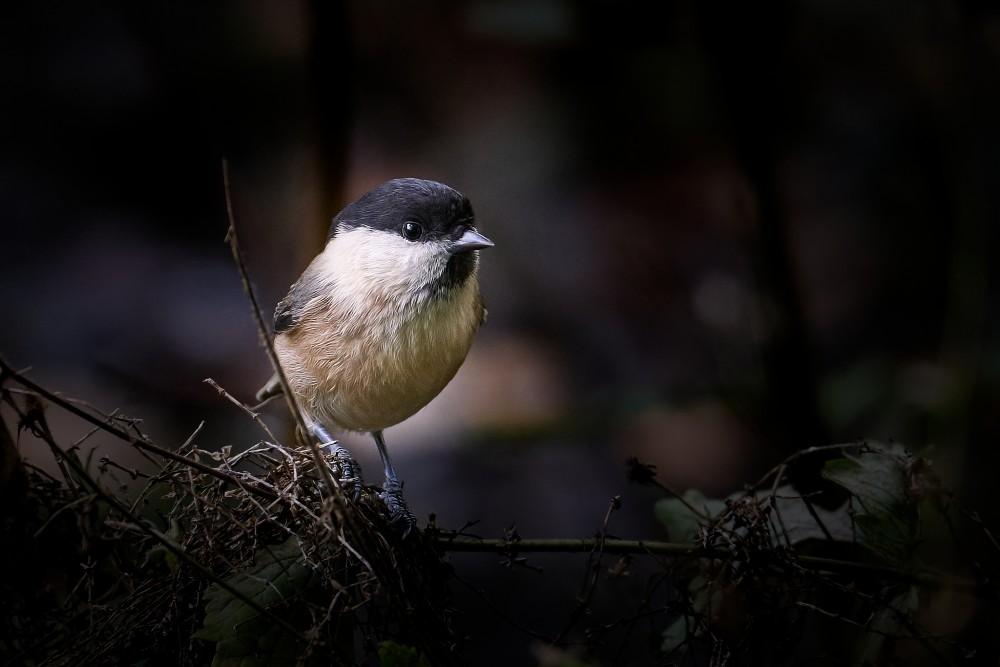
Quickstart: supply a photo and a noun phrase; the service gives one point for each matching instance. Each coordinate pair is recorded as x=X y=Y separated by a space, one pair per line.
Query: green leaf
x=878 y=480
x=160 y=554
x=244 y=638
x=688 y=625
x=681 y=523
x=888 y=622
x=802 y=525
x=677 y=633
x=261 y=644
x=391 y=654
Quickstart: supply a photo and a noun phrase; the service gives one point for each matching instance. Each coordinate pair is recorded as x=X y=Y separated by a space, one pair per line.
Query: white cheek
x=380 y=264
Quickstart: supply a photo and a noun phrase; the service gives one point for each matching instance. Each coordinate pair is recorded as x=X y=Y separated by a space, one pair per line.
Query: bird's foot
x=399 y=514
x=350 y=472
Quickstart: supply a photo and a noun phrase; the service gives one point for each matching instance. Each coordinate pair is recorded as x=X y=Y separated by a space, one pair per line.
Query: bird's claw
x=350 y=471
x=399 y=514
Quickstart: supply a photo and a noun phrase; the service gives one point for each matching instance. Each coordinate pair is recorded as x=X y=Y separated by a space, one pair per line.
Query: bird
x=381 y=320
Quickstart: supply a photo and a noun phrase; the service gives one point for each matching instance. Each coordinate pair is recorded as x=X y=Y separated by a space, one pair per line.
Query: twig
x=774 y=503
x=645 y=473
x=500 y=614
x=924 y=640
x=163 y=539
x=340 y=505
x=241 y=405
x=590 y=578
x=643 y=612
x=264 y=513
x=571 y=545
x=975 y=518
x=682 y=549
x=70 y=505
x=127 y=437
x=780 y=468
x=815 y=515
x=134 y=473
x=31 y=405
x=144 y=494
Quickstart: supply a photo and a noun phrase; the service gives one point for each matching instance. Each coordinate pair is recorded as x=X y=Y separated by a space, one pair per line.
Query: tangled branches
x=211 y=554
x=254 y=534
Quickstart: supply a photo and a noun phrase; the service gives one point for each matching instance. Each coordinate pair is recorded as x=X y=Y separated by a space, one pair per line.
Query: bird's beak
x=470 y=240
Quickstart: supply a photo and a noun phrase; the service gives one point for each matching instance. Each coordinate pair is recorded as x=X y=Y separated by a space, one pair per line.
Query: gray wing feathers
x=290 y=309
x=289 y=313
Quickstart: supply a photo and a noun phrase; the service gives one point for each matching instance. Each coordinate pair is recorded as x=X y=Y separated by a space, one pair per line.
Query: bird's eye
x=412 y=231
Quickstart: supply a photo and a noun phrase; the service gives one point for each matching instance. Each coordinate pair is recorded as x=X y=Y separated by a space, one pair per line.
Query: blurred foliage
x=767 y=579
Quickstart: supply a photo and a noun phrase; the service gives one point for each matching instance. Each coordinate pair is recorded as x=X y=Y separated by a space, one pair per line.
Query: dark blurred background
x=724 y=231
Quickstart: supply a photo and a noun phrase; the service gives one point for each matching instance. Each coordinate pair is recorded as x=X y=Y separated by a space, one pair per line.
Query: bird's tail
x=271 y=389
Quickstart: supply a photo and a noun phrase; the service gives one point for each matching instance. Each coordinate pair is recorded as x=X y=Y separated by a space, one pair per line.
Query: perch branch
x=262 y=329
x=681 y=549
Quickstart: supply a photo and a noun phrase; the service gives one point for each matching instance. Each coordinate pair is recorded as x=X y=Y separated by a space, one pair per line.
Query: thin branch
x=682 y=549
x=498 y=612
x=163 y=539
x=570 y=545
x=134 y=473
x=645 y=473
x=815 y=515
x=340 y=504
x=144 y=494
x=644 y=611
x=924 y=640
x=136 y=442
x=780 y=468
x=241 y=405
x=774 y=503
x=593 y=573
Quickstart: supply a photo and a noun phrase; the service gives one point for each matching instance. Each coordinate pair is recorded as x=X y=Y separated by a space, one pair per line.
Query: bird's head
x=408 y=234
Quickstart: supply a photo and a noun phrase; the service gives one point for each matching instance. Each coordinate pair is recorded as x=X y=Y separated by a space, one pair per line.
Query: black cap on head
x=437 y=208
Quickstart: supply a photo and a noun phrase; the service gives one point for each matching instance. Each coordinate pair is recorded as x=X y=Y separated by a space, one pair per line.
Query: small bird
x=382 y=318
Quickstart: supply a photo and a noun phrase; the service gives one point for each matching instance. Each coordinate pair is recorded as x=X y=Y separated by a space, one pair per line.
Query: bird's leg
x=350 y=471
x=392 y=491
